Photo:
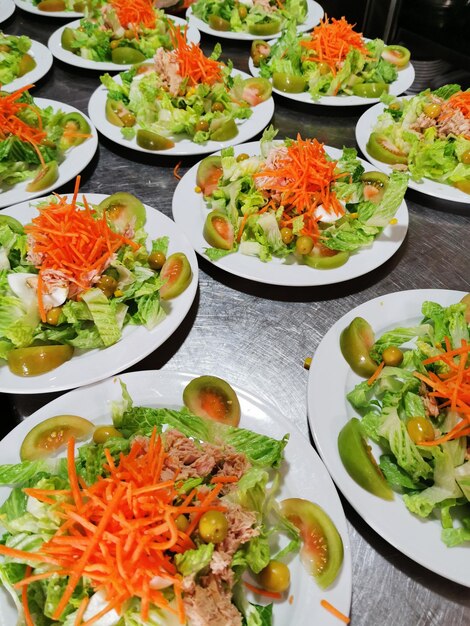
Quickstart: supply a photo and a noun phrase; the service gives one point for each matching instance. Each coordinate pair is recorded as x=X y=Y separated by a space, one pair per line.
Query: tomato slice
x=52 y=435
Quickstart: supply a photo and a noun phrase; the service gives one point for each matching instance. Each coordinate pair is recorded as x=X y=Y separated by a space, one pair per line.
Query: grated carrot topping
x=73 y=242
x=120 y=532
x=376 y=374
x=193 y=65
x=135 y=13
x=461 y=101
x=331 y=41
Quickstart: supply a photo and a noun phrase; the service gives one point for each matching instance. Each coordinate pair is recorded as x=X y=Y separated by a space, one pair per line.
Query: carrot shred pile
x=461 y=101
x=11 y=124
x=453 y=388
x=331 y=41
x=192 y=62
x=133 y=13
x=120 y=532
x=72 y=241
x=300 y=181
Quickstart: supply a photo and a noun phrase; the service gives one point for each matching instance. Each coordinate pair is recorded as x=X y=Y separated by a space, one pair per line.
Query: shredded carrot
x=120 y=532
x=224 y=479
x=461 y=101
x=291 y=599
x=452 y=387
x=72 y=244
x=376 y=374
x=334 y=611
x=331 y=41
x=192 y=63
x=134 y=13
x=12 y=125
x=24 y=600
x=263 y=592
x=300 y=178
x=81 y=611
x=176 y=170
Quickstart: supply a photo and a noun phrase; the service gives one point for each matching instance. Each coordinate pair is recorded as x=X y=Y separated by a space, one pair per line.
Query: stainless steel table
x=258 y=336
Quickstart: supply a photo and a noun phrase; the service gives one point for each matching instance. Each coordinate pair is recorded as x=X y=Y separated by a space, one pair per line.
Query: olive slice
x=359 y=462
x=46 y=177
x=125 y=55
x=36 y=360
x=177 y=274
x=153 y=141
x=213 y=398
x=52 y=434
x=288 y=82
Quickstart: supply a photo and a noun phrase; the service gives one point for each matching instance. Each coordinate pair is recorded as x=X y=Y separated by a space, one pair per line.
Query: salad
x=55 y=6
x=292 y=201
x=74 y=276
x=332 y=60
x=159 y=519
x=34 y=141
x=14 y=58
x=182 y=94
x=120 y=31
x=414 y=405
x=428 y=135
x=257 y=17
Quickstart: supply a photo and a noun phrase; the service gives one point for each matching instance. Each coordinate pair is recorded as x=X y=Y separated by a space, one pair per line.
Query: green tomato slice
x=125 y=55
x=52 y=435
x=355 y=342
x=359 y=462
x=153 y=141
x=227 y=130
x=36 y=360
x=369 y=90
x=218 y=23
x=288 y=82
x=262 y=29
x=322 y=258
x=398 y=55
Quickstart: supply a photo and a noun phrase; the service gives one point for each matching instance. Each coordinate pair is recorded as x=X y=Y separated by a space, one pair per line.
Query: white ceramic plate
x=55 y=46
x=29 y=7
x=190 y=212
x=7 y=8
x=364 y=128
x=43 y=59
x=417 y=538
x=262 y=113
x=314 y=14
x=76 y=159
x=137 y=342
x=165 y=389
x=405 y=79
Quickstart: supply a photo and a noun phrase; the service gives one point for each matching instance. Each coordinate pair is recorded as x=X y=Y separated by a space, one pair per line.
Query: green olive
x=420 y=429
x=432 y=110
x=156 y=260
x=218 y=106
x=304 y=244
x=129 y=34
x=182 y=523
x=125 y=55
x=275 y=577
x=392 y=356
x=213 y=527
x=53 y=315
x=242 y=11
x=128 y=119
x=103 y=433
x=287 y=235
x=36 y=360
x=107 y=284
x=289 y=83
x=202 y=125
x=115 y=44
x=323 y=67
x=465 y=158
x=242 y=157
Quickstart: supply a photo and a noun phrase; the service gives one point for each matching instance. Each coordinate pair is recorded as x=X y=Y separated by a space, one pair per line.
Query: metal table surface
x=257 y=336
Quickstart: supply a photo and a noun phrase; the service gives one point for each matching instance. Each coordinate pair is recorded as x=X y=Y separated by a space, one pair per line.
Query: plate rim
x=41 y=381
x=324 y=440
x=323 y=276
x=315 y=11
x=265 y=109
x=55 y=48
x=10 y=7
x=39 y=51
x=30 y=8
x=89 y=147
x=330 y=500
x=365 y=121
